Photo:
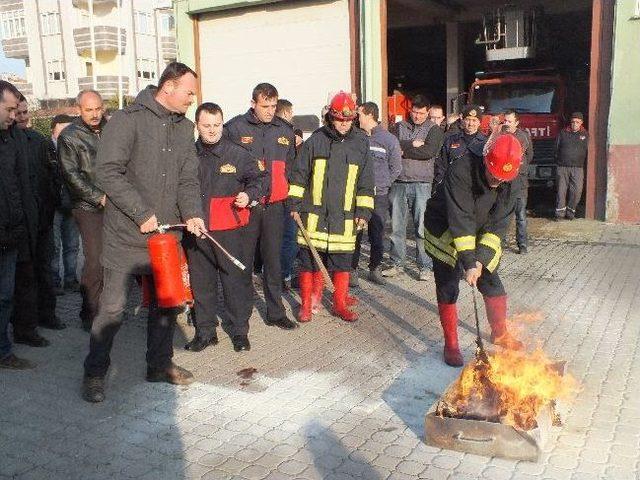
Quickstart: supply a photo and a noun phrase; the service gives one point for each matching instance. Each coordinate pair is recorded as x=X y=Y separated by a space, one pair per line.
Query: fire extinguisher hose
x=234 y=260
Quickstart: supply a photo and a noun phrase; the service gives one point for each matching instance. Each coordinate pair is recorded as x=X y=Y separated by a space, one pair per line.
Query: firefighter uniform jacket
x=273 y=144
x=225 y=170
x=466 y=219
x=331 y=184
x=457 y=145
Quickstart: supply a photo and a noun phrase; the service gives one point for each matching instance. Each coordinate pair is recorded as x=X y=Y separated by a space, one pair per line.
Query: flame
x=512 y=389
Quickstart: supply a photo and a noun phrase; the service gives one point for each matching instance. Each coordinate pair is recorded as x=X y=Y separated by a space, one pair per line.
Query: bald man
x=77 y=148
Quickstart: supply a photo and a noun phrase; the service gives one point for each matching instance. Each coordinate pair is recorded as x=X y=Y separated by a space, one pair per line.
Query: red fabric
x=449 y=321
x=279 y=184
x=305 y=279
x=316 y=294
x=340 y=308
x=224 y=215
x=496 y=308
x=504 y=157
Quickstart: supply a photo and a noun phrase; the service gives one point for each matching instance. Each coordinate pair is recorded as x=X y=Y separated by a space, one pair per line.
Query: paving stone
x=434 y=473
x=410 y=468
x=255 y=472
x=446 y=462
x=292 y=467
x=496 y=473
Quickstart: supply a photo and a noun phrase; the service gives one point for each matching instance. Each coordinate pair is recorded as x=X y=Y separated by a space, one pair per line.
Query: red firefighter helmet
x=342 y=107
x=504 y=157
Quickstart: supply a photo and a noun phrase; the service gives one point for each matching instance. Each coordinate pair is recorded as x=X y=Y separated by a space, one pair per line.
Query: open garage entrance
x=439 y=48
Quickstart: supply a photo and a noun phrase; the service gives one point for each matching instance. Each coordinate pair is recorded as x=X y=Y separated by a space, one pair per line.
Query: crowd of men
x=267 y=196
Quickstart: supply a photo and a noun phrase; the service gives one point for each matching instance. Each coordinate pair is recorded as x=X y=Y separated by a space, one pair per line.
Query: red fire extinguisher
x=170 y=271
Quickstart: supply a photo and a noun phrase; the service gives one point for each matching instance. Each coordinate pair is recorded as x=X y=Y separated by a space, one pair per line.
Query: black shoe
x=376 y=277
x=198 y=343
x=173 y=374
x=93 y=389
x=240 y=342
x=284 y=323
x=72 y=286
x=12 y=362
x=32 y=339
x=54 y=324
x=570 y=216
x=522 y=250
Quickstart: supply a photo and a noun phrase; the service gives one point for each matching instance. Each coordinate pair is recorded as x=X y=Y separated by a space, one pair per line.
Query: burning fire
x=512 y=389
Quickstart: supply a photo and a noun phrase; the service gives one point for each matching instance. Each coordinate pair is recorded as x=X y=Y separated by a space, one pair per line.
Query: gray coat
x=147 y=165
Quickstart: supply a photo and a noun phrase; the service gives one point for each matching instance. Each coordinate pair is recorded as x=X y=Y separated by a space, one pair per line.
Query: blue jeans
x=66 y=239
x=8 y=260
x=408 y=200
x=289 y=249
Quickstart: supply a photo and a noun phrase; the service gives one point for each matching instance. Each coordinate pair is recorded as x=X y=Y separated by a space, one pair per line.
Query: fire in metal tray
x=511 y=388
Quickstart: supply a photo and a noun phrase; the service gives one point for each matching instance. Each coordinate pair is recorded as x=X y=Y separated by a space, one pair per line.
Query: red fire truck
x=538 y=96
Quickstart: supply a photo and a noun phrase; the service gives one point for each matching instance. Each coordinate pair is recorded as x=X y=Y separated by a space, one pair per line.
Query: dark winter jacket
x=27 y=182
x=12 y=221
x=466 y=219
x=77 y=150
x=226 y=169
x=455 y=146
x=571 y=148
x=147 y=165
x=387 y=158
x=524 y=137
x=43 y=165
x=417 y=162
x=274 y=143
x=331 y=185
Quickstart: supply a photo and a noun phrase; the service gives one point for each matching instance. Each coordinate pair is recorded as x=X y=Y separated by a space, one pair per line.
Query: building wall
x=623 y=194
x=63 y=46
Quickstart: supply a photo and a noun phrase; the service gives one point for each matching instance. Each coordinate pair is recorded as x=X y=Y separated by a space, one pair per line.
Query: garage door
x=302 y=48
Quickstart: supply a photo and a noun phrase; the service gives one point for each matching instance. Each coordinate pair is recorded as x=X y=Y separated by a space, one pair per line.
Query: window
x=55 y=69
x=144 y=24
x=12 y=24
x=88 y=69
x=168 y=23
x=521 y=97
x=50 y=23
x=146 y=69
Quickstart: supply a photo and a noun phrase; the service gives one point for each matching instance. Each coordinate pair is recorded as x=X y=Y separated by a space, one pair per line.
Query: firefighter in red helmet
x=465 y=223
x=331 y=187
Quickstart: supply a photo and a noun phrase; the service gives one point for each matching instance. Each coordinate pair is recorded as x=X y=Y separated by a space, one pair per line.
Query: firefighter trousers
x=448 y=282
x=268 y=221
x=207 y=266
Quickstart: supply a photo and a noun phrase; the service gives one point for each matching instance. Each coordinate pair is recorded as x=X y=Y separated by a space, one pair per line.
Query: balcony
x=84 y=4
x=107 y=85
x=16 y=48
x=168 y=47
x=106 y=38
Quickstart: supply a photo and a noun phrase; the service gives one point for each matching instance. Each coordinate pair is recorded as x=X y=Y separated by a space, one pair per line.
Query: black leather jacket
x=77 y=148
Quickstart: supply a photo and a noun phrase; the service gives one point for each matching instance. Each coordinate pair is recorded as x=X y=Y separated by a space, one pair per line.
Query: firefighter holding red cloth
x=331 y=188
x=229 y=180
x=465 y=222
x=272 y=142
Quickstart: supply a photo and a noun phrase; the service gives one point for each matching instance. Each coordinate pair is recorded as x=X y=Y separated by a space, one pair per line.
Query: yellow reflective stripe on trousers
x=296 y=191
x=468 y=242
x=319 y=167
x=352 y=176
x=494 y=243
x=364 y=201
x=441 y=248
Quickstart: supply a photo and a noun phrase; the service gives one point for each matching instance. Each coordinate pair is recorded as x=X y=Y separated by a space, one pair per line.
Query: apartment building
x=69 y=45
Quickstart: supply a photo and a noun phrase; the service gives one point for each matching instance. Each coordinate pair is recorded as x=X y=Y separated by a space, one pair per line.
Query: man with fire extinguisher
x=229 y=180
x=148 y=168
x=465 y=222
x=332 y=190
x=273 y=143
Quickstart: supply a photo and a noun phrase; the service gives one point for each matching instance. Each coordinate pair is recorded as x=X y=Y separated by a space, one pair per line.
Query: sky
x=11 y=65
